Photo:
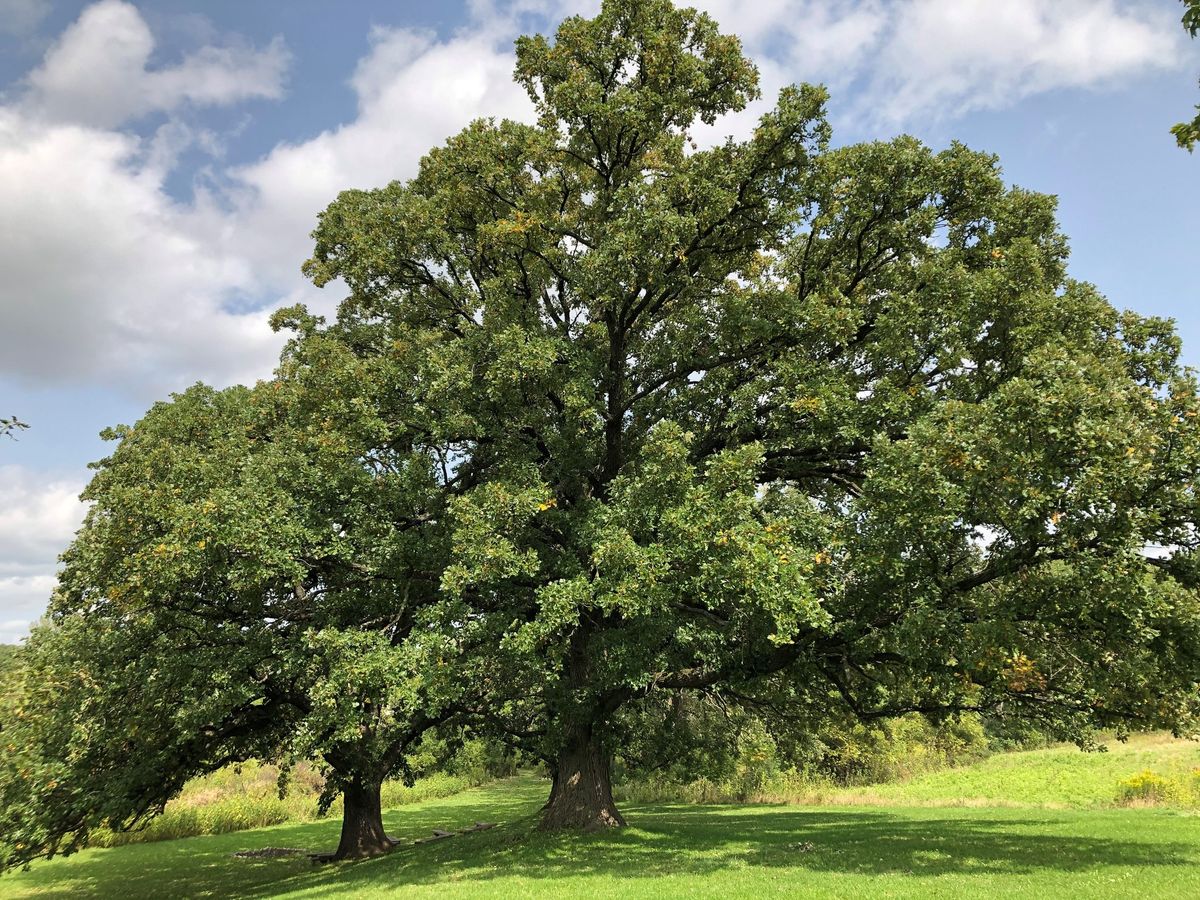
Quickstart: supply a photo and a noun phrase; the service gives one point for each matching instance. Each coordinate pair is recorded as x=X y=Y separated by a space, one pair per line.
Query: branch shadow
x=205 y=866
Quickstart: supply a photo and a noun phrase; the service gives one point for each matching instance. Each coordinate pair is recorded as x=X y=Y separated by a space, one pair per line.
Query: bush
x=1148 y=788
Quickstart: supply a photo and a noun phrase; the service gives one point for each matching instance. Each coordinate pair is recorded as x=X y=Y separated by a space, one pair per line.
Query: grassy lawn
x=715 y=851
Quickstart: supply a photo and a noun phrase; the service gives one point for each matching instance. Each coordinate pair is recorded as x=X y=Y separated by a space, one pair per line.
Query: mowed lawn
x=712 y=851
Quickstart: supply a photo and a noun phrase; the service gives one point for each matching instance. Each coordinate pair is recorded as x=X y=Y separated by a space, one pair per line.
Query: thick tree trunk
x=362 y=822
x=581 y=794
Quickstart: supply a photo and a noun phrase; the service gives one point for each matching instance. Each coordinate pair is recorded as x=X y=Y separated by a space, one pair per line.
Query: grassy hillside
x=1054 y=777
x=715 y=851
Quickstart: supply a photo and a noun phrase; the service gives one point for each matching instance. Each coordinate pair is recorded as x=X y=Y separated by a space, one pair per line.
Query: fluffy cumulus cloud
x=413 y=91
x=106 y=277
x=22 y=602
x=126 y=285
x=97 y=72
x=908 y=61
x=38 y=516
x=824 y=40
x=948 y=58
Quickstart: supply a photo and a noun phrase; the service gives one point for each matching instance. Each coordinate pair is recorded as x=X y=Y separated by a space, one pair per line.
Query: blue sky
x=162 y=162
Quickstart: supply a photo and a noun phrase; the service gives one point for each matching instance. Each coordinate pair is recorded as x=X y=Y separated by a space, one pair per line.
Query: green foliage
x=208 y=613
x=757 y=762
x=1056 y=777
x=207 y=806
x=1147 y=787
x=254 y=795
x=1187 y=133
x=8 y=659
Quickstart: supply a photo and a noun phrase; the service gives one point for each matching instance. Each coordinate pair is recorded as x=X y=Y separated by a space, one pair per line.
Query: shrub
x=1148 y=788
x=246 y=796
x=771 y=765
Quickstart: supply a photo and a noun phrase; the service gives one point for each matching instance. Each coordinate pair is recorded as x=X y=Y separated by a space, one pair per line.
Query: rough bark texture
x=581 y=795
x=362 y=822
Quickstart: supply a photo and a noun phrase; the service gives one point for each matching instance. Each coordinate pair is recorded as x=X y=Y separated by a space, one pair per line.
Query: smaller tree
x=232 y=595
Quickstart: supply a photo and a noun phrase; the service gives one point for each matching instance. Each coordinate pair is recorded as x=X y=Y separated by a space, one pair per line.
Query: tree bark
x=581 y=794
x=362 y=822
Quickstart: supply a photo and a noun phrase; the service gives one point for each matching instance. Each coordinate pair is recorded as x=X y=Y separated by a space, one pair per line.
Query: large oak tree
x=832 y=423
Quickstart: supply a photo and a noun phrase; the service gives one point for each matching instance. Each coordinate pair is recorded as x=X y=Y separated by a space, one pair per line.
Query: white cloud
x=38 y=518
x=20 y=17
x=944 y=58
x=812 y=39
x=108 y=277
x=23 y=600
x=911 y=60
x=413 y=92
x=96 y=73
x=104 y=275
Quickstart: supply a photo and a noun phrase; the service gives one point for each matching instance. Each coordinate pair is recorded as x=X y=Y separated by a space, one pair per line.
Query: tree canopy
x=607 y=415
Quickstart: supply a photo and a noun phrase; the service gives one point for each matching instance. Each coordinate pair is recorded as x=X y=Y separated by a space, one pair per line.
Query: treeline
x=709 y=748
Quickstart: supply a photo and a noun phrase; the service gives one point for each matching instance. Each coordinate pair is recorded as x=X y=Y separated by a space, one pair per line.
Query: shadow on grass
x=662 y=840
x=205 y=866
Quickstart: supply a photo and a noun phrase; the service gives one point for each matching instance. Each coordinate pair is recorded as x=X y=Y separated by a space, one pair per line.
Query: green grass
x=1033 y=824
x=673 y=850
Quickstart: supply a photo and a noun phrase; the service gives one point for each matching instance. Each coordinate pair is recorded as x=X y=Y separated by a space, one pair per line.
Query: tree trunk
x=581 y=794
x=362 y=822
x=553 y=790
